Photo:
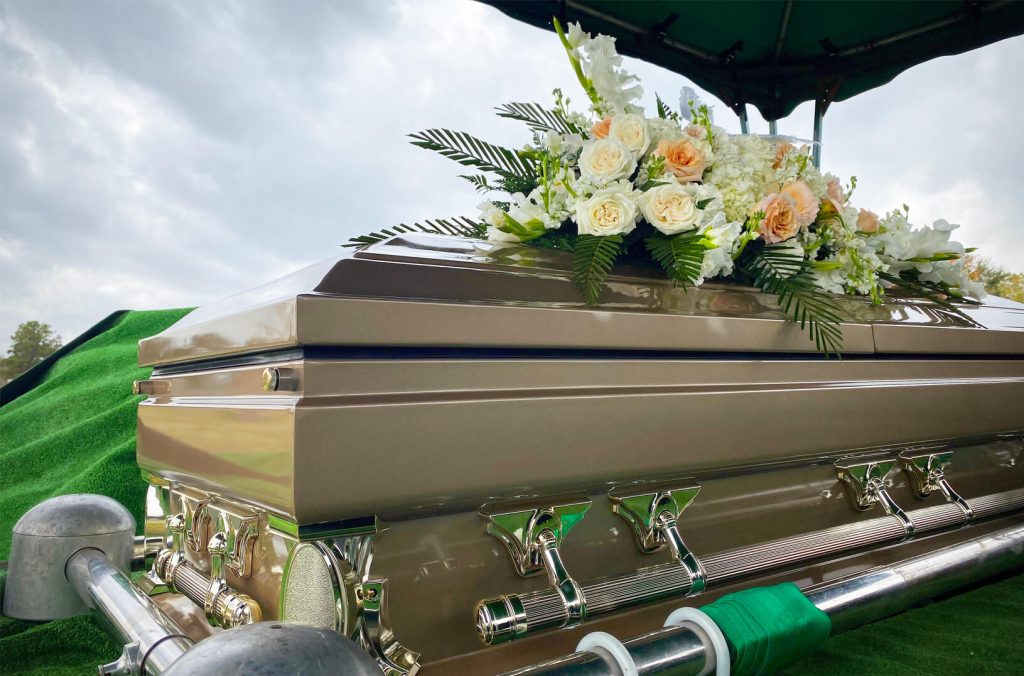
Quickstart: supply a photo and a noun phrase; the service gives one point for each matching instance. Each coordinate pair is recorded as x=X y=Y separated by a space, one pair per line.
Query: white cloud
x=156 y=154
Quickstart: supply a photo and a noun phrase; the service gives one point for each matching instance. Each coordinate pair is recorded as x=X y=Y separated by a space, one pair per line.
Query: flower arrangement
x=674 y=189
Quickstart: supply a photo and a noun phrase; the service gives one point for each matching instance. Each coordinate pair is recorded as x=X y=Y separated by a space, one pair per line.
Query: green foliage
x=998 y=281
x=31 y=343
x=472 y=152
x=780 y=272
x=537 y=117
x=512 y=184
x=940 y=294
x=460 y=226
x=594 y=257
x=703 y=204
x=680 y=255
x=479 y=182
x=664 y=111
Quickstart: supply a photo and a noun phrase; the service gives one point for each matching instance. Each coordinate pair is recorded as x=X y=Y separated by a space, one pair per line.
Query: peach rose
x=781 y=220
x=867 y=221
x=693 y=131
x=806 y=203
x=601 y=129
x=781 y=150
x=682 y=159
x=835 y=193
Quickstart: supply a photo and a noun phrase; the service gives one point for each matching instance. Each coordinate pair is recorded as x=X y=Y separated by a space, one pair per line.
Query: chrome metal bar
x=224 y=606
x=153 y=641
x=849 y=603
x=545 y=609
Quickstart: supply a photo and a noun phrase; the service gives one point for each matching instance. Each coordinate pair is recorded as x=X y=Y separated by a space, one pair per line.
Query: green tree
x=998 y=281
x=31 y=343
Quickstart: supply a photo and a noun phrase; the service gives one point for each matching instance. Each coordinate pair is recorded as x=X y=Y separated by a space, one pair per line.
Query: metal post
x=741 y=110
x=819 y=116
x=773 y=127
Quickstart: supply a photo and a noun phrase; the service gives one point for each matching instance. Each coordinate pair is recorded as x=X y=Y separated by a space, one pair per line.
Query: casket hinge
x=653 y=518
x=927 y=473
x=865 y=480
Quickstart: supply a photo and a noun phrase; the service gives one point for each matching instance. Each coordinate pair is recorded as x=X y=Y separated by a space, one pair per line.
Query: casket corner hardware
x=865 y=480
x=653 y=516
x=927 y=473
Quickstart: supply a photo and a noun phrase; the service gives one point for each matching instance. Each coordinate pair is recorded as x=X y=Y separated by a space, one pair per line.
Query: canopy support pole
x=828 y=88
x=741 y=111
x=819 y=117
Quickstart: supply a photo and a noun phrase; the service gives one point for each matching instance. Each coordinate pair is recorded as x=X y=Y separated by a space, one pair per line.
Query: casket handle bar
x=927 y=472
x=171 y=572
x=654 y=517
x=532 y=534
x=866 y=481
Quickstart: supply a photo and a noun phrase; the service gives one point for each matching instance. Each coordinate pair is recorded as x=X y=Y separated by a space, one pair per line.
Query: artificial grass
x=75 y=433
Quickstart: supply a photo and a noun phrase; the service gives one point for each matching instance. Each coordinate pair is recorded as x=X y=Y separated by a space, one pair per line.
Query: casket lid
x=430 y=291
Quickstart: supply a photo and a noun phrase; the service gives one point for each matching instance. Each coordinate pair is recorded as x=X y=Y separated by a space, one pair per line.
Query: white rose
x=632 y=131
x=609 y=211
x=606 y=159
x=669 y=208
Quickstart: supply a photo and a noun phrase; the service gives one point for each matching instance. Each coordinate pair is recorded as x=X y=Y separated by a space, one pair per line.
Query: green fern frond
x=664 y=111
x=943 y=297
x=479 y=182
x=594 y=257
x=537 y=117
x=681 y=256
x=472 y=152
x=459 y=226
x=780 y=272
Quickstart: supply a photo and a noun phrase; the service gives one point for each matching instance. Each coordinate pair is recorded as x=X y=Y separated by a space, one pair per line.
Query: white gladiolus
x=606 y=159
x=724 y=235
x=576 y=36
x=609 y=211
x=617 y=88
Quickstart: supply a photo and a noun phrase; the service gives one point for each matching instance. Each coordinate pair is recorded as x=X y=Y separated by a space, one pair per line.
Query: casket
x=431 y=445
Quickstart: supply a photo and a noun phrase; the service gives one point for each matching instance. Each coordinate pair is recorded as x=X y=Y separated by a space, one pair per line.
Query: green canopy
x=776 y=54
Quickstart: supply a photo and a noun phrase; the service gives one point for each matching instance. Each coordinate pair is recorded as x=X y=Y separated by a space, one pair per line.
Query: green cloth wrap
x=768 y=628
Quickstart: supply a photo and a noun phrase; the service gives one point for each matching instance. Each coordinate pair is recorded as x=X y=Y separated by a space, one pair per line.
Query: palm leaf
x=780 y=272
x=479 y=182
x=593 y=261
x=681 y=255
x=472 y=152
x=929 y=291
x=460 y=227
x=537 y=117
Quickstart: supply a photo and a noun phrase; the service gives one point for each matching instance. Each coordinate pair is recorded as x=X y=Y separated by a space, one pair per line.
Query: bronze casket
x=432 y=446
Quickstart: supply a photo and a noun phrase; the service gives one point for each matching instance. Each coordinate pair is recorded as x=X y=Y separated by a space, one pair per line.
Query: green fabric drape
x=768 y=628
x=73 y=432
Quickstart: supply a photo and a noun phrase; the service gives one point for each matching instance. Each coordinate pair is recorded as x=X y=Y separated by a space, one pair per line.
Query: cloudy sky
x=158 y=154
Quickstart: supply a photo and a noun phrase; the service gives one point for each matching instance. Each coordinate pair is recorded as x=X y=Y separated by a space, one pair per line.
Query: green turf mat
x=73 y=433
